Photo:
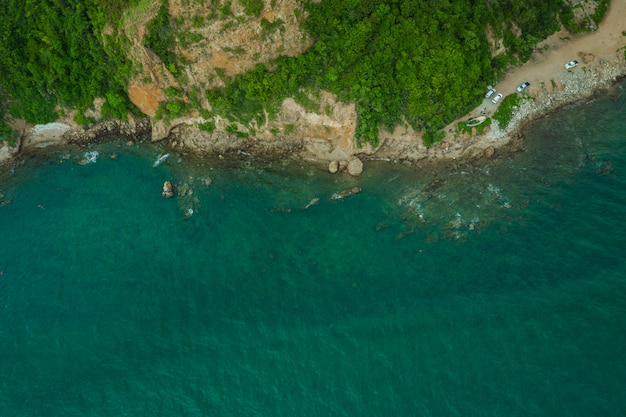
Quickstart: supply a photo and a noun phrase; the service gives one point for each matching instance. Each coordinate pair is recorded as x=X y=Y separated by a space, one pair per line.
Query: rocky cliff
x=212 y=44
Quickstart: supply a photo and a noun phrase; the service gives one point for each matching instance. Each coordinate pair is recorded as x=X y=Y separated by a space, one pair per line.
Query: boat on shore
x=475 y=121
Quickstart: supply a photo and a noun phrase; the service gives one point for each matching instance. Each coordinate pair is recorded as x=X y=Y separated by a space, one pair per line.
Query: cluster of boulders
x=133 y=128
x=354 y=166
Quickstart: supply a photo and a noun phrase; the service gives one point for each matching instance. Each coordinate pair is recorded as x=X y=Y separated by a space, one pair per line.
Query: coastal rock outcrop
x=42 y=136
x=345 y=193
x=7 y=152
x=168 y=190
x=132 y=129
x=160 y=131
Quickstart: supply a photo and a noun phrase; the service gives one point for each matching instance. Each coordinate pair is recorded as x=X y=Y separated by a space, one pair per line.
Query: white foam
x=91 y=157
x=162 y=158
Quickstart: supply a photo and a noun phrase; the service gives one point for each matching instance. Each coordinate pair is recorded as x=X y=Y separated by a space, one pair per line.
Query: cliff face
x=213 y=43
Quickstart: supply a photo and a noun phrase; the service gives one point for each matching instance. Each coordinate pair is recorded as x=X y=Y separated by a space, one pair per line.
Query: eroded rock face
x=42 y=136
x=146 y=96
x=345 y=193
x=355 y=167
x=7 y=152
x=133 y=128
x=160 y=131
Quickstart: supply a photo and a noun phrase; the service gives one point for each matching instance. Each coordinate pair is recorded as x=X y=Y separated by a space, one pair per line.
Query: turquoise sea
x=482 y=289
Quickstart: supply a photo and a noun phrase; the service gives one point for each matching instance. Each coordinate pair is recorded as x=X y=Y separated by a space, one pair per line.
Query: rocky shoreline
x=186 y=137
x=580 y=86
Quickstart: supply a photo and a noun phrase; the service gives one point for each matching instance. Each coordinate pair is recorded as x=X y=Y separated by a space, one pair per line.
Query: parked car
x=523 y=87
x=497 y=98
x=571 y=65
x=491 y=92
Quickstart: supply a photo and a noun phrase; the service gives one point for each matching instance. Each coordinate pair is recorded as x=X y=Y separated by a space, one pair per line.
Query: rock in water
x=312 y=203
x=168 y=190
x=345 y=193
x=355 y=167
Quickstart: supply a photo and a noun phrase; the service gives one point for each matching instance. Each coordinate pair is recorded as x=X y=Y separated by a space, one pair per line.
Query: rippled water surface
x=476 y=290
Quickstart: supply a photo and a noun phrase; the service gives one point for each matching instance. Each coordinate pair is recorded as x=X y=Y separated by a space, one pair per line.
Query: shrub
x=175 y=108
x=81 y=119
x=6 y=132
x=432 y=137
x=232 y=129
x=207 y=127
x=505 y=111
x=252 y=7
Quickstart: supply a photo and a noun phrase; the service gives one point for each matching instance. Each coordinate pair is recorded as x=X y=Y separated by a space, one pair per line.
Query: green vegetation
x=252 y=7
x=425 y=61
x=589 y=22
x=225 y=10
x=601 y=8
x=305 y=100
x=269 y=27
x=431 y=137
x=505 y=110
x=160 y=37
x=207 y=127
x=53 y=54
x=6 y=132
x=289 y=129
x=81 y=119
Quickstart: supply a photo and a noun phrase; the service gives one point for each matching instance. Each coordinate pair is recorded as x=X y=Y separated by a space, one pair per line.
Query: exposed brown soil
x=146 y=97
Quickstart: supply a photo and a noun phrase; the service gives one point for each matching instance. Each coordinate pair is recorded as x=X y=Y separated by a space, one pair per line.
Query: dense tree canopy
x=425 y=60
x=53 y=53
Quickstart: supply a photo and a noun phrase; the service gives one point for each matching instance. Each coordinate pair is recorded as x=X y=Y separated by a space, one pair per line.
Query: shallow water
x=474 y=291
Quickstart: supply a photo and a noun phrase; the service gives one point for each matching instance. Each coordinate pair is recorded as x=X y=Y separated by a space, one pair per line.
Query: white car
x=523 y=87
x=490 y=93
x=497 y=98
x=571 y=65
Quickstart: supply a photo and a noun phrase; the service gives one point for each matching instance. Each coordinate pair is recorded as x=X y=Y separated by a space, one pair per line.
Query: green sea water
x=488 y=289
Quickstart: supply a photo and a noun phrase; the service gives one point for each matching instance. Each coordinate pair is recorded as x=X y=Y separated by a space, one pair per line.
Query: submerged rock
x=312 y=203
x=345 y=193
x=433 y=186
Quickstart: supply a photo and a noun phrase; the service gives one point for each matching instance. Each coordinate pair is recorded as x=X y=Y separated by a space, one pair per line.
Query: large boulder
x=168 y=190
x=355 y=167
x=160 y=130
x=333 y=167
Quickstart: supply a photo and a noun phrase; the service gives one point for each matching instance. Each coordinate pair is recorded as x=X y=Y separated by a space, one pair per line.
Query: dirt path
x=546 y=69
